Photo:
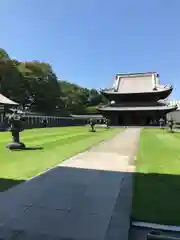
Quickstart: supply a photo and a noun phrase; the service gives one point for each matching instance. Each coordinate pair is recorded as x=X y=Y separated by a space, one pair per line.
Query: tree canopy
x=37 y=79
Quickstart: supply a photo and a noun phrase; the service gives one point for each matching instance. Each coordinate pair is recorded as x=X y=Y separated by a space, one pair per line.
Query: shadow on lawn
x=27 y=148
x=156 y=198
x=6 y=183
x=33 y=148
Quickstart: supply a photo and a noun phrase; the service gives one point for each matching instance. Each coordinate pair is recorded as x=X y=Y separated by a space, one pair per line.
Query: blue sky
x=89 y=41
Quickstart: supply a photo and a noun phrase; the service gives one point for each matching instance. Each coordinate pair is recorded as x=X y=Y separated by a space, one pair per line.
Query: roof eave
x=166 y=108
x=135 y=74
x=135 y=93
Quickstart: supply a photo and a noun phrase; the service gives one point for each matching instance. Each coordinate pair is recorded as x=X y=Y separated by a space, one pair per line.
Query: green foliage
x=74 y=97
x=41 y=81
x=3 y=54
x=11 y=80
x=92 y=110
x=80 y=100
x=50 y=95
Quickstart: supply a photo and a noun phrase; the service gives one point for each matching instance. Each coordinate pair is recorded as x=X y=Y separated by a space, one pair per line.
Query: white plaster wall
x=174 y=115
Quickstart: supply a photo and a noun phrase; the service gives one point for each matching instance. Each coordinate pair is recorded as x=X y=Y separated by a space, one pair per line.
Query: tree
x=75 y=98
x=11 y=81
x=32 y=78
x=96 y=98
x=41 y=82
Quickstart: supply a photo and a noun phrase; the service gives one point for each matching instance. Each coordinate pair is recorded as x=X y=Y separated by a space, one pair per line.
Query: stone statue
x=44 y=122
x=15 y=120
x=92 y=123
x=107 y=121
x=170 y=124
x=161 y=123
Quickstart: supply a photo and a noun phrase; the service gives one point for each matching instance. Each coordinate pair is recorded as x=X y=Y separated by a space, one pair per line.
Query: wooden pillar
x=32 y=120
x=39 y=121
x=1 y=117
x=27 y=121
x=36 y=121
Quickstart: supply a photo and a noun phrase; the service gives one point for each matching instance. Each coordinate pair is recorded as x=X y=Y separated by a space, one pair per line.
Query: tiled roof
x=136 y=83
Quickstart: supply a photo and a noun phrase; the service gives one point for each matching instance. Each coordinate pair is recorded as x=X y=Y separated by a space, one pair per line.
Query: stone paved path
x=87 y=197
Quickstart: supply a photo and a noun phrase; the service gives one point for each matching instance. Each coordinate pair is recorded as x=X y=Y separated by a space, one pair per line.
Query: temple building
x=137 y=99
x=175 y=115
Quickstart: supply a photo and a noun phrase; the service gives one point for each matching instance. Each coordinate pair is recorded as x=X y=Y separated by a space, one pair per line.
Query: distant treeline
x=51 y=96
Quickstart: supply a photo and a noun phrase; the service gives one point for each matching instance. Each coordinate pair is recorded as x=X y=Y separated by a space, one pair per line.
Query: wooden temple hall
x=137 y=99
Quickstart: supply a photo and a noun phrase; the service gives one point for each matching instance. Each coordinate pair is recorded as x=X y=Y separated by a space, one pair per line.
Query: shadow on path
x=88 y=203
x=69 y=203
x=6 y=183
x=156 y=198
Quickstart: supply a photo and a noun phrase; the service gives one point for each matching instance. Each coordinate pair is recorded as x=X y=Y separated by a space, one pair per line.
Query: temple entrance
x=120 y=121
x=132 y=119
x=136 y=118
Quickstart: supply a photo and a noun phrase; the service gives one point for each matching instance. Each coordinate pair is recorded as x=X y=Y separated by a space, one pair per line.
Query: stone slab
x=122 y=211
x=61 y=224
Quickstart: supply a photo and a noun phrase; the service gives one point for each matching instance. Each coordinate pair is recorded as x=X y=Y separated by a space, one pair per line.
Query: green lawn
x=157 y=180
x=57 y=143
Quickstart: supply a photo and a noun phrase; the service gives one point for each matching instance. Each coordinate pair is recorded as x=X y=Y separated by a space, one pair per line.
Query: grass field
x=57 y=143
x=157 y=181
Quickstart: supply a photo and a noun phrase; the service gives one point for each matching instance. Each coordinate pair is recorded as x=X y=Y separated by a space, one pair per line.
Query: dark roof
x=142 y=89
x=144 y=108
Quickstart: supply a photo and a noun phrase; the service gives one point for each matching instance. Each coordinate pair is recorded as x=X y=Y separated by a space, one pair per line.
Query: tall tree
x=41 y=82
x=21 y=79
x=11 y=81
x=75 y=98
x=96 y=98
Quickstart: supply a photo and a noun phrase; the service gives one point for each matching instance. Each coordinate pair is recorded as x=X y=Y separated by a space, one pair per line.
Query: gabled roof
x=6 y=101
x=134 y=83
x=136 y=74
